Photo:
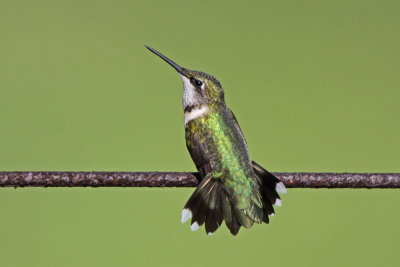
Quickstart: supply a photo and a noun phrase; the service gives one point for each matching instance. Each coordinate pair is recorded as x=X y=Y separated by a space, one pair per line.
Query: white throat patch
x=189 y=93
x=191 y=99
x=195 y=113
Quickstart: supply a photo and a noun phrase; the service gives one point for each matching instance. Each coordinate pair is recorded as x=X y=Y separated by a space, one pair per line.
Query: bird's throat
x=195 y=112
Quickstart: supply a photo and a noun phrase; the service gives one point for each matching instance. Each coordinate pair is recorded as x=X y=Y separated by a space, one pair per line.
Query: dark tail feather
x=210 y=204
x=215 y=215
x=270 y=186
x=229 y=215
x=204 y=206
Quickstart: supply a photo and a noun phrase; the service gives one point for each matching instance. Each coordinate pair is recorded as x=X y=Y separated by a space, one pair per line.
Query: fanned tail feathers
x=270 y=186
x=210 y=204
x=205 y=206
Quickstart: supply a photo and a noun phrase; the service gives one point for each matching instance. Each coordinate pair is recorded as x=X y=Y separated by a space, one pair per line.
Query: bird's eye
x=197 y=83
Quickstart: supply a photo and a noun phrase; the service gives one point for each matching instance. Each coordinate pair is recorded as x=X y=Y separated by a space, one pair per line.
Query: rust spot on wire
x=98 y=179
x=340 y=180
x=187 y=179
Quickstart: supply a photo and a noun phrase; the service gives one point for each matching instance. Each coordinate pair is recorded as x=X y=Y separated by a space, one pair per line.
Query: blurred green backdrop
x=314 y=85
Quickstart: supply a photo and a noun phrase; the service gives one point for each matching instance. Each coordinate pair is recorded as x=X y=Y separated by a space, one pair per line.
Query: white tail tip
x=186 y=215
x=278 y=202
x=272 y=215
x=210 y=233
x=280 y=188
x=194 y=226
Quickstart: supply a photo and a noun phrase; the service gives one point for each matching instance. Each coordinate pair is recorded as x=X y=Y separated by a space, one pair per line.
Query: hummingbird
x=232 y=188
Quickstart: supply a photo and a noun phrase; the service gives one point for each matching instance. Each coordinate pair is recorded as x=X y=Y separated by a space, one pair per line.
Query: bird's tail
x=205 y=206
x=210 y=204
x=270 y=186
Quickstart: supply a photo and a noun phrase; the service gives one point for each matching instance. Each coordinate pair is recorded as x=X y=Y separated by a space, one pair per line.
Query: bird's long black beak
x=169 y=61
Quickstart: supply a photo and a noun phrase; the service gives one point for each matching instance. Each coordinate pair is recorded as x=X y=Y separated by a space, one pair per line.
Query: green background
x=314 y=85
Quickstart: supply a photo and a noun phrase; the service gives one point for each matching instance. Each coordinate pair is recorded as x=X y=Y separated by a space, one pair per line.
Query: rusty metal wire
x=187 y=179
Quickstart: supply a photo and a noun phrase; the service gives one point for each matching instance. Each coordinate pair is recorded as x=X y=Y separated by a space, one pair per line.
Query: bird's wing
x=199 y=153
x=232 y=117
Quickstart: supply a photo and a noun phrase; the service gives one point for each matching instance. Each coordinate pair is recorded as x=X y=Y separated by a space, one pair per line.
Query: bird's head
x=200 y=89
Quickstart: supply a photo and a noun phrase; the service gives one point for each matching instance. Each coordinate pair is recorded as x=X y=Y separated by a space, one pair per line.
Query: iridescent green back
x=223 y=145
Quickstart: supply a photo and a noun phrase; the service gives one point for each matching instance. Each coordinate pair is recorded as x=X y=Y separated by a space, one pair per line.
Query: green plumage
x=222 y=142
x=233 y=188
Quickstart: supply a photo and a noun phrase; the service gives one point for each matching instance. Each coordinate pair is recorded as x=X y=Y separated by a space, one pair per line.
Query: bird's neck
x=194 y=112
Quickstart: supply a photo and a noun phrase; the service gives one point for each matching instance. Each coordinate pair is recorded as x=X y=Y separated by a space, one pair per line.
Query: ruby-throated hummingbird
x=233 y=188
